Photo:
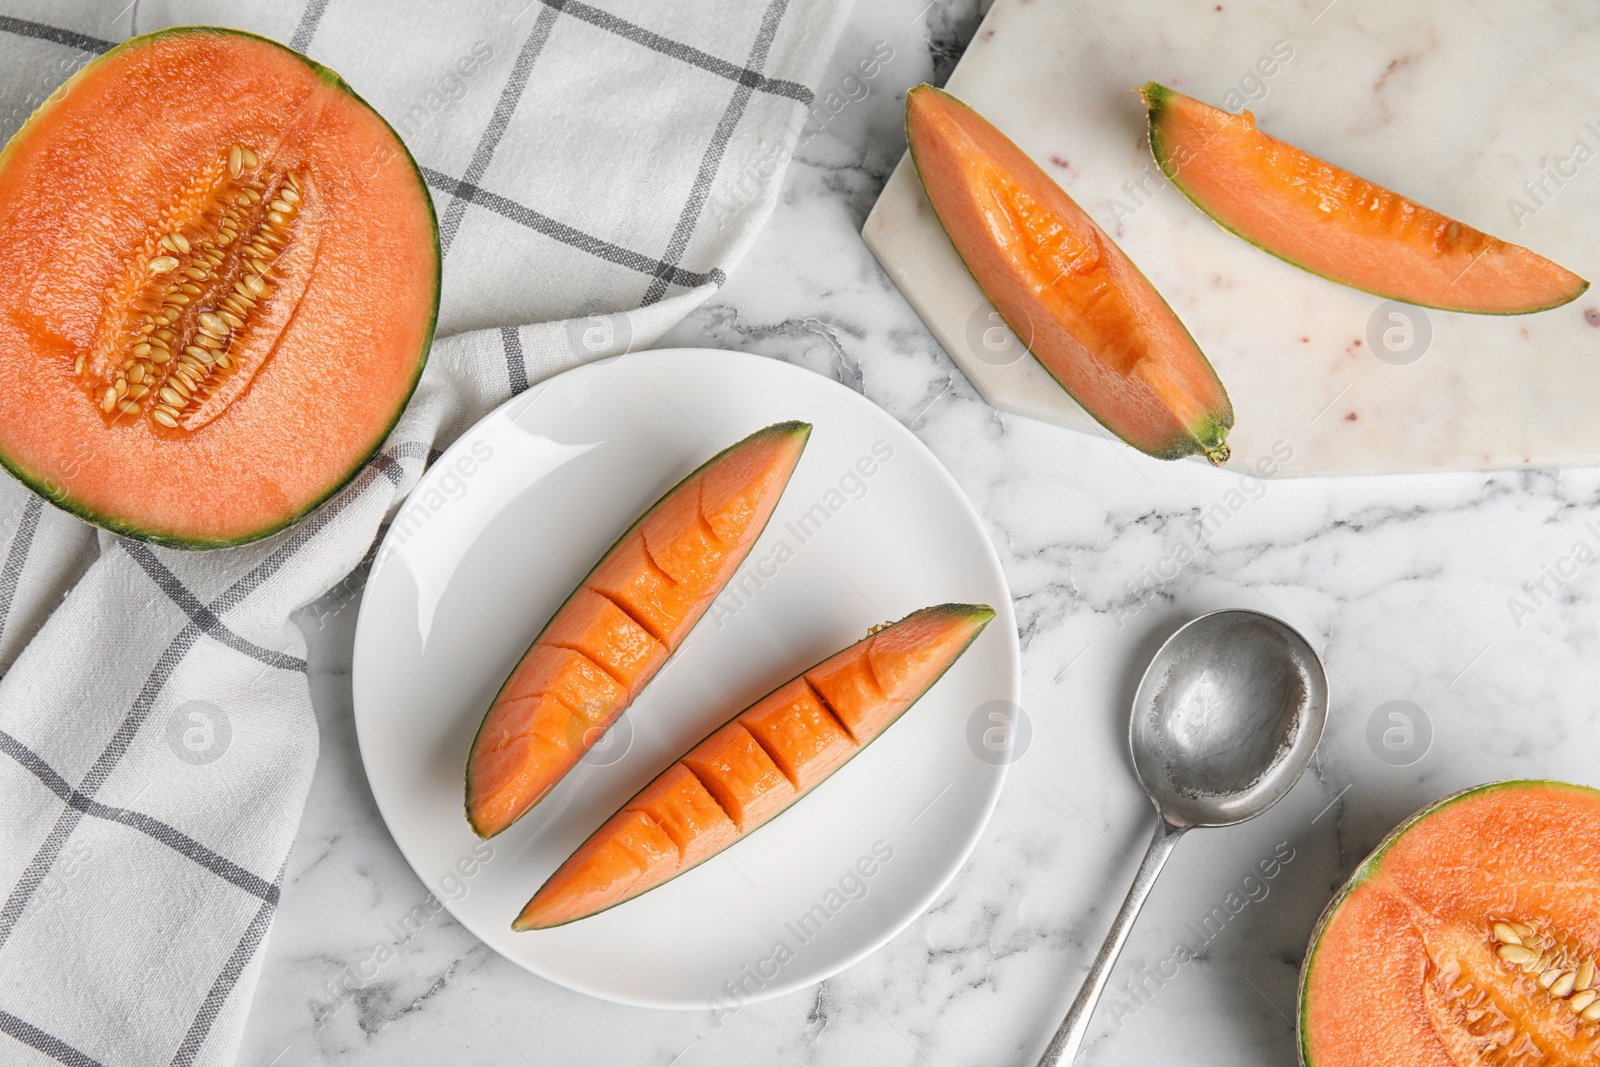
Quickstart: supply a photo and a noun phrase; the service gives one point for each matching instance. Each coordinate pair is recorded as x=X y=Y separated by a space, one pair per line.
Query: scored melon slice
x=613 y=634
x=217 y=288
x=1064 y=288
x=757 y=765
x=1469 y=938
x=1317 y=216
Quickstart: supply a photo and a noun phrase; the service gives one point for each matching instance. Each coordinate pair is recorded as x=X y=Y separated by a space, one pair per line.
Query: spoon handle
x=1064 y=1046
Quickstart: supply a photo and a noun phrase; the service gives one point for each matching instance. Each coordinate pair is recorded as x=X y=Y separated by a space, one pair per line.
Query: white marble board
x=1437 y=99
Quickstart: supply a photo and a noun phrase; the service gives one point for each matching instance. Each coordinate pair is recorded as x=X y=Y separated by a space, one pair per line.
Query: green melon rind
x=38 y=483
x=793 y=427
x=1156 y=97
x=1371 y=866
x=981 y=612
x=1209 y=438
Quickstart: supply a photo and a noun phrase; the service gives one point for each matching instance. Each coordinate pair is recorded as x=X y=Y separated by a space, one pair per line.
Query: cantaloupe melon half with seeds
x=757 y=765
x=217 y=288
x=613 y=634
x=1469 y=938
x=1318 y=216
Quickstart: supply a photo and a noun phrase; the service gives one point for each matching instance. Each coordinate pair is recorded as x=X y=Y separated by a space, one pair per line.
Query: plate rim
x=1004 y=613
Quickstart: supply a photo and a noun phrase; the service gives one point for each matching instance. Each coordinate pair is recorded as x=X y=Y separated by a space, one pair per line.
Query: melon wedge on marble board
x=1089 y=316
x=1308 y=212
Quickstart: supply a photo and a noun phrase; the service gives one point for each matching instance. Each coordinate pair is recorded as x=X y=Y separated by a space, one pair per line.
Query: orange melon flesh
x=136 y=146
x=1409 y=964
x=612 y=635
x=1317 y=216
x=1064 y=287
x=757 y=765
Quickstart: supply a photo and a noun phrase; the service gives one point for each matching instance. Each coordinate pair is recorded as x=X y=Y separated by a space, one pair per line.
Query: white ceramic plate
x=512 y=517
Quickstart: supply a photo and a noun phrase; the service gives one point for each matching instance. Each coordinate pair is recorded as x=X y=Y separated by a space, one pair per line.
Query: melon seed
x=162 y=264
x=235 y=161
x=1516 y=955
x=161 y=416
x=1548 y=978
x=1505 y=935
x=1562 y=986
x=1582 y=1000
x=248 y=157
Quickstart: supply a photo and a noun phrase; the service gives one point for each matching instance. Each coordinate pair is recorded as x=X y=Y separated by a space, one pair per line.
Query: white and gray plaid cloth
x=597 y=165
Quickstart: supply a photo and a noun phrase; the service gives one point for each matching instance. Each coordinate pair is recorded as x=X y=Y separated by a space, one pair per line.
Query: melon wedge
x=1064 y=288
x=1469 y=937
x=1328 y=221
x=755 y=766
x=612 y=635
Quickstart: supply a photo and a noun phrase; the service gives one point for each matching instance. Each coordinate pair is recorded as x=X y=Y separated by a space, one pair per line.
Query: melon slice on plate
x=1469 y=938
x=220 y=277
x=1317 y=216
x=610 y=637
x=757 y=765
x=1064 y=287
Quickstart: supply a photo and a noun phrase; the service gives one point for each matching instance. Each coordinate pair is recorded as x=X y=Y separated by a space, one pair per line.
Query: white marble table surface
x=1469 y=596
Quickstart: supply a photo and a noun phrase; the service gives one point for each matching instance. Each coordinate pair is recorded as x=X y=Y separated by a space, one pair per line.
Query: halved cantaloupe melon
x=1341 y=226
x=221 y=272
x=633 y=610
x=1065 y=289
x=1467 y=939
x=757 y=765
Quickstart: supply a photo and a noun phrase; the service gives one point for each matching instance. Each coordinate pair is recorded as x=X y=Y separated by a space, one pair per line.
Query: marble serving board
x=1436 y=99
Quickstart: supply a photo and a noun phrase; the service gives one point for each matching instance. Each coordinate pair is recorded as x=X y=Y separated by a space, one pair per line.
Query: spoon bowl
x=1226 y=718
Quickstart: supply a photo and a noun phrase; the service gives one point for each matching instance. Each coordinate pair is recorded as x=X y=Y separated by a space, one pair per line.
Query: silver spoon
x=1226 y=718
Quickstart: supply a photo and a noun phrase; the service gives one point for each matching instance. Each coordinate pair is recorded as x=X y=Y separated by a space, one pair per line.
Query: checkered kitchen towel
x=597 y=165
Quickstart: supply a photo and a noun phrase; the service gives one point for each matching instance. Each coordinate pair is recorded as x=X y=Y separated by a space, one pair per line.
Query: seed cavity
x=1564 y=967
x=198 y=289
